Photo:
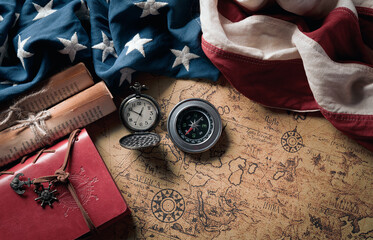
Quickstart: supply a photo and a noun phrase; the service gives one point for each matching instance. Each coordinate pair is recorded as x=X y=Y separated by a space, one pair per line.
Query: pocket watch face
x=140 y=113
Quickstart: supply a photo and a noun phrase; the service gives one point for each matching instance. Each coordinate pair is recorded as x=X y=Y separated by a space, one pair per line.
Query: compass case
x=215 y=121
x=140 y=140
x=23 y=218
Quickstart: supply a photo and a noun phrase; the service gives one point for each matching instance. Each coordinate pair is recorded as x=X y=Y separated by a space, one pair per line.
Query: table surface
x=274 y=174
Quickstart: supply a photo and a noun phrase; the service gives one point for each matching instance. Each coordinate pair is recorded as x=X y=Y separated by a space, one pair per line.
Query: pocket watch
x=140 y=113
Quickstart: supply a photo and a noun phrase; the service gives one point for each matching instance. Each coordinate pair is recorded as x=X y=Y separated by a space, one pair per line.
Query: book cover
x=23 y=218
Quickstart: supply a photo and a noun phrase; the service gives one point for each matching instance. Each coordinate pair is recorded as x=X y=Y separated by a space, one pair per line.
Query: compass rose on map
x=292 y=141
x=168 y=205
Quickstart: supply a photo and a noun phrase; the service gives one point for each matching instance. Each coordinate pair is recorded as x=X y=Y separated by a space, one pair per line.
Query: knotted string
x=36 y=122
x=61 y=176
x=16 y=111
x=10 y=112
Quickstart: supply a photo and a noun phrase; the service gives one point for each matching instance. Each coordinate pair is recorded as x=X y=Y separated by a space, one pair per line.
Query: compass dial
x=194 y=125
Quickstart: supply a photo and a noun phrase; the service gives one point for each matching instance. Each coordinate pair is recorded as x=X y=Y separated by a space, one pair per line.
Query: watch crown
x=137 y=87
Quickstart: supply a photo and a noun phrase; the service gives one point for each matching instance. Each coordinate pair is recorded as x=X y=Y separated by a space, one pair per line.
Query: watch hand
x=139 y=115
x=135 y=112
x=141 y=111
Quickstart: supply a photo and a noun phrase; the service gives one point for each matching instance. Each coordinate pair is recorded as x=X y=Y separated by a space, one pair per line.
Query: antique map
x=274 y=174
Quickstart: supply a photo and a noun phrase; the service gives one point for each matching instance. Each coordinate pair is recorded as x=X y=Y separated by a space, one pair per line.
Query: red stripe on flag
x=235 y=12
x=358 y=127
x=279 y=84
x=340 y=37
x=366 y=25
x=339 y=33
x=232 y=10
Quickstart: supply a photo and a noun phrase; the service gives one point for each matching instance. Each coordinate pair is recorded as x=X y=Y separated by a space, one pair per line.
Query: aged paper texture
x=274 y=174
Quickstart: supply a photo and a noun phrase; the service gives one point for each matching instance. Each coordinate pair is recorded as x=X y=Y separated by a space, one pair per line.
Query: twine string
x=36 y=122
x=16 y=109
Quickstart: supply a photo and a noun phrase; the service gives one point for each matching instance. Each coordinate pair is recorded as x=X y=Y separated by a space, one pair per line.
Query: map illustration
x=274 y=174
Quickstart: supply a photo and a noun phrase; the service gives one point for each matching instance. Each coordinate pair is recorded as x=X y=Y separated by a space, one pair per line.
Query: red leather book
x=21 y=217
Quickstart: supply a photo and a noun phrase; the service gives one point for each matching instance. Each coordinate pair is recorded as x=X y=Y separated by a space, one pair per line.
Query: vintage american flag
x=304 y=55
x=118 y=38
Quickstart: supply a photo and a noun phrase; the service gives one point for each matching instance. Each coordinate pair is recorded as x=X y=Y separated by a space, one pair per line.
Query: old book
x=47 y=126
x=23 y=218
x=54 y=90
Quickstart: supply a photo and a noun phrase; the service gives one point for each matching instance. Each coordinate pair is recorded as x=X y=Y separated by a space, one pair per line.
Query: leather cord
x=39 y=153
x=61 y=176
x=6 y=172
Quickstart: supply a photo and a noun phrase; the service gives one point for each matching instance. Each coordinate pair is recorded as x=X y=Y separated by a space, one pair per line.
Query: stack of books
x=89 y=199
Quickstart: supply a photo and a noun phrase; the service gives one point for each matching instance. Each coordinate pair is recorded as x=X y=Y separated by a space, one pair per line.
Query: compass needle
x=190 y=129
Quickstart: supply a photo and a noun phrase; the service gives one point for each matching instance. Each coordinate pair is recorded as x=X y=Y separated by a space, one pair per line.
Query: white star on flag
x=106 y=46
x=16 y=15
x=43 y=11
x=126 y=74
x=3 y=49
x=137 y=43
x=83 y=12
x=150 y=7
x=71 y=46
x=183 y=57
x=21 y=53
